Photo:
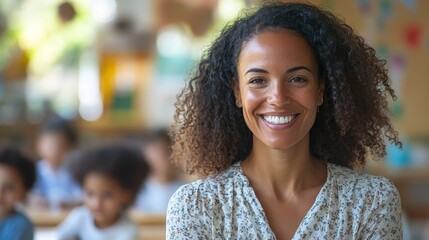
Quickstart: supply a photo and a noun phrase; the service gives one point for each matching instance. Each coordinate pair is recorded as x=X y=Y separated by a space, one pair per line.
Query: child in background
x=55 y=188
x=17 y=176
x=163 y=180
x=426 y=232
x=110 y=175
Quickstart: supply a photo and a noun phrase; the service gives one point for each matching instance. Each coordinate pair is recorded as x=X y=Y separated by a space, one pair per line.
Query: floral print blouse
x=350 y=205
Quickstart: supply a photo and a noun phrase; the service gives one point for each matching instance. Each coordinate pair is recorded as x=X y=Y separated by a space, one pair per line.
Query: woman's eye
x=257 y=80
x=298 y=80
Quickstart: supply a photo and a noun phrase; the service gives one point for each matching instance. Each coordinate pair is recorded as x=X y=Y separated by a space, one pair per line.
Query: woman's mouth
x=279 y=120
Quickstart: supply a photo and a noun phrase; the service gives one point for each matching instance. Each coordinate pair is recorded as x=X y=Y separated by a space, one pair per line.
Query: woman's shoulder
x=376 y=188
x=194 y=207
x=204 y=193
x=213 y=183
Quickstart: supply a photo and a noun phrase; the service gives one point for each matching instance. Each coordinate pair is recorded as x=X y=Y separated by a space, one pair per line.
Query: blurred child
x=17 y=176
x=110 y=175
x=426 y=232
x=163 y=180
x=55 y=187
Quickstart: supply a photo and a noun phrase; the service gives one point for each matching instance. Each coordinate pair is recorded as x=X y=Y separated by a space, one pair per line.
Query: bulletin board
x=399 y=31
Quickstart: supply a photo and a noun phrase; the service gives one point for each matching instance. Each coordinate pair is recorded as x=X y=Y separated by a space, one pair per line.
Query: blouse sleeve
x=385 y=220
x=186 y=215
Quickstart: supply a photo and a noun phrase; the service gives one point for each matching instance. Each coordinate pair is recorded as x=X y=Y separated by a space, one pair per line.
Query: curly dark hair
x=119 y=161
x=13 y=157
x=209 y=131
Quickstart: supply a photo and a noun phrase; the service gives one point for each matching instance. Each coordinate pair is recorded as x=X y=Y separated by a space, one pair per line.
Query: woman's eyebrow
x=258 y=70
x=294 y=69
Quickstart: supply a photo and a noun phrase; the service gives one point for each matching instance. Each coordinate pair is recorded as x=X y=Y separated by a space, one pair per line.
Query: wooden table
x=46 y=218
x=152 y=226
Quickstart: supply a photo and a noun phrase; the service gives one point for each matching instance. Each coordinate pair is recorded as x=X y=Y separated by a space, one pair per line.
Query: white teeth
x=276 y=120
x=279 y=120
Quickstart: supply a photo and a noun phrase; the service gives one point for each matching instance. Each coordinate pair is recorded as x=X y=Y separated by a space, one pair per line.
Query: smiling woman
x=279 y=88
x=286 y=102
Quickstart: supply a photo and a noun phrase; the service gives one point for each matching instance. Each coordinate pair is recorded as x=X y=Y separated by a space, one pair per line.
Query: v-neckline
x=310 y=212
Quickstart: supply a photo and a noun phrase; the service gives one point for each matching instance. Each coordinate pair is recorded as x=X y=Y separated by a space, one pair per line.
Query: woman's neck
x=280 y=173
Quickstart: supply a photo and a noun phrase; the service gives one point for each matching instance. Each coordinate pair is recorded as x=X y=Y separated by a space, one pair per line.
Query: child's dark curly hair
x=12 y=157
x=209 y=132
x=119 y=161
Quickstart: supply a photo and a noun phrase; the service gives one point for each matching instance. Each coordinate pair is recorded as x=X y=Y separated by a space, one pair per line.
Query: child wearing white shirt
x=110 y=175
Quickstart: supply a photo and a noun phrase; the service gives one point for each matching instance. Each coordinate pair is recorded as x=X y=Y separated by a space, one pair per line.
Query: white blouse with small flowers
x=350 y=205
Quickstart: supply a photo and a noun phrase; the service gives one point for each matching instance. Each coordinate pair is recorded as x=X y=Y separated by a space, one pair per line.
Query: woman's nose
x=278 y=95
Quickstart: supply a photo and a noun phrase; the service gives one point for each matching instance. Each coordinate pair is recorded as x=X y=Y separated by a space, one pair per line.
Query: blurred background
x=114 y=67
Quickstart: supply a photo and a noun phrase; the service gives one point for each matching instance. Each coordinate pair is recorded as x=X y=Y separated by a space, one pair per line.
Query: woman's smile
x=278 y=88
x=279 y=120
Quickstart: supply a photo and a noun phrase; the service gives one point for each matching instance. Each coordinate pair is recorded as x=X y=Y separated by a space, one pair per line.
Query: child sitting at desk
x=163 y=179
x=17 y=176
x=55 y=187
x=110 y=175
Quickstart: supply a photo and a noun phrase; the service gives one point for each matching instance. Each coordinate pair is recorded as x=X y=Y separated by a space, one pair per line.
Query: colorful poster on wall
x=364 y=6
x=397 y=70
x=385 y=10
x=410 y=4
x=413 y=34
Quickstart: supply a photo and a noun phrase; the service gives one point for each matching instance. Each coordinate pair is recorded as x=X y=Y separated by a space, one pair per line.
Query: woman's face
x=279 y=89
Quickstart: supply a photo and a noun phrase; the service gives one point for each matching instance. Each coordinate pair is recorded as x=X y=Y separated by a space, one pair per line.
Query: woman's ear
x=236 y=88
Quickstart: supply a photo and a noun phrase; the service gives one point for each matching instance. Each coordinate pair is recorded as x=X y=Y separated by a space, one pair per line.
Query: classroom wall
x=399 y=31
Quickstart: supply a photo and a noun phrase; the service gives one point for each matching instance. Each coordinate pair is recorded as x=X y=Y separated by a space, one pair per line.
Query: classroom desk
x=152 y=226
x=146 y=233
x=46 y=218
